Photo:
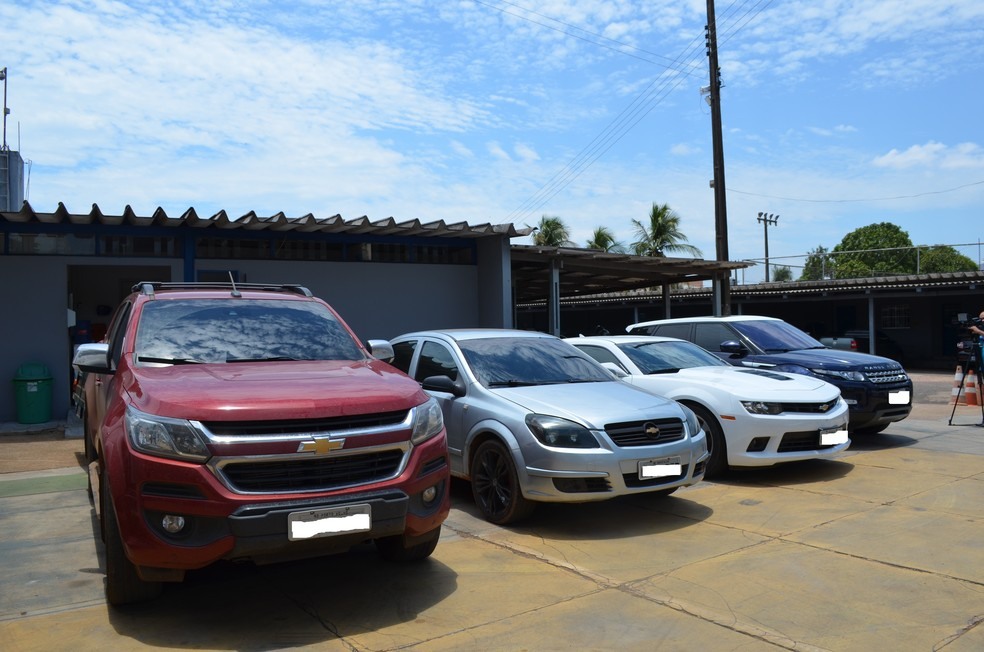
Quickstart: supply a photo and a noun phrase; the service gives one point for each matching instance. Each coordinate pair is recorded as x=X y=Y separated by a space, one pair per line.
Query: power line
x=849 y=201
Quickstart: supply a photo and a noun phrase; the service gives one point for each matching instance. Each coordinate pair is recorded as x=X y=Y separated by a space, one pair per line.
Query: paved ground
x=882 y=549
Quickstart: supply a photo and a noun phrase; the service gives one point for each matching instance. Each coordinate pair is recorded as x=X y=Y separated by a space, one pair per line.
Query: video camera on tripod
x=969 y=343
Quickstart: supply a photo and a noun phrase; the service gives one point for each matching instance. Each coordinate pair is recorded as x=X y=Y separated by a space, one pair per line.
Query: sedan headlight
x=165 y=437
x=560 y=433
x=428 y=421
x=693 y=425
x=843 y=375
x=762 y=407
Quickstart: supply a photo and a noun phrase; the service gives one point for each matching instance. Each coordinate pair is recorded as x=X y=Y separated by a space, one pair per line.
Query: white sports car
x=752 y=417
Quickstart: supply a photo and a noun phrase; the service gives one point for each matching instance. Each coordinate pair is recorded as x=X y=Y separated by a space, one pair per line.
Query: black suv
x=878 y=390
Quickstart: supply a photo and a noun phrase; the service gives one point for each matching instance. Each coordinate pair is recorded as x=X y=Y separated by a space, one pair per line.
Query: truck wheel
x=397 y=548
x=717 y=463
x=123 y=585
x=495 y=485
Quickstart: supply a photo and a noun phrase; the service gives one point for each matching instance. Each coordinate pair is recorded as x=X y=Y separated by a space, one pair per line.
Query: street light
x=766 y=219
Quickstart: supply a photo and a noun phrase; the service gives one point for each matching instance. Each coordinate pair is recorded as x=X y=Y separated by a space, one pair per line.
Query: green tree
x=604 y=240
x=875 y=250
x=781 y=274
x=944 y=258
x=661 y=233
x=819 y=265
x=552 y=232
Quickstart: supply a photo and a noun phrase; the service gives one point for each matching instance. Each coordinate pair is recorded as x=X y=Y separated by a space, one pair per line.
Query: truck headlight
x=165 y=437
x=560 y=433
x=427 y=421
x=843 y=375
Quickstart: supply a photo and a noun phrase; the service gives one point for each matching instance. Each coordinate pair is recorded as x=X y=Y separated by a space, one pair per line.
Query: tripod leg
x=964 y=368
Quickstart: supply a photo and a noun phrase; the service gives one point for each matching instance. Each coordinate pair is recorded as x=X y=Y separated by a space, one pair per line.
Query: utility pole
x=720 y=200
x=766 y=219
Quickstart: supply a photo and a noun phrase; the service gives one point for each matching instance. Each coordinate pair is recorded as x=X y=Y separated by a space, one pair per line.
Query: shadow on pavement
x=790 y=473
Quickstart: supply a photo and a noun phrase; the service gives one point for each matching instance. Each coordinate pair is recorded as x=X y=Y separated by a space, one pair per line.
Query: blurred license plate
x=899 y=398
x=328 y=522
x=833 y=436
x=663 y=468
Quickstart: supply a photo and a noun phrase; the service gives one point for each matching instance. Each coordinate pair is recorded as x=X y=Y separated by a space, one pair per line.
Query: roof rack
x=150 y=287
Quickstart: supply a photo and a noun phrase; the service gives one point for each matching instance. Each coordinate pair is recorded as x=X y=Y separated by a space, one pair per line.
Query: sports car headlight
x=165 y=437
x=560 y=433
x=843 y=375
x=427 y=421
x=762 y=407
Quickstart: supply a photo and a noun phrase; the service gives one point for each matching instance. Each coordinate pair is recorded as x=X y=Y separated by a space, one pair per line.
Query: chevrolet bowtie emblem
x=320 y=446
x=651 y=430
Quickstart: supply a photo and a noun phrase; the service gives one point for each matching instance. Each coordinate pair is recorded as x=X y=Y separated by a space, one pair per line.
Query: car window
x=680 y=331
x=663 y=357
x=223 y=330
x=711 y=335
x=117 y=331
x=436 y=360
x=776 y=336
x=403 y=355
x=601 y=354
x=517 y=361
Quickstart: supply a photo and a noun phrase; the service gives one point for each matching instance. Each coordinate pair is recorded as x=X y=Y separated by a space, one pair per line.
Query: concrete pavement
x=881 y=549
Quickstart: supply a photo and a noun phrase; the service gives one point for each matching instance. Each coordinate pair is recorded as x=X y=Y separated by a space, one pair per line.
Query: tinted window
x=776 y=336
x=680 y=331
x=513 y=361
x=663 y=357
x=222 y=330
x=403 y=354
x=710 y=336
x=436 y=360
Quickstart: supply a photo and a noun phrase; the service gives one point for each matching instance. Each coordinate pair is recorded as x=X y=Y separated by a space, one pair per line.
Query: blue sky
x=836 y=113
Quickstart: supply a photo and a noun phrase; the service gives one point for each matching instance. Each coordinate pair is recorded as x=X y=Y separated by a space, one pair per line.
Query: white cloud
x=934 y=155
x=525 y=152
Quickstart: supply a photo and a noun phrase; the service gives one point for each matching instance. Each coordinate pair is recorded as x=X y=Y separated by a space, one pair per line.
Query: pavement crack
x=971 y=624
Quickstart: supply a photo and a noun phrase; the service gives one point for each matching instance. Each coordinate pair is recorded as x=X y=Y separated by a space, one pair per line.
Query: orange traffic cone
x=956 y=396
x=971 y=390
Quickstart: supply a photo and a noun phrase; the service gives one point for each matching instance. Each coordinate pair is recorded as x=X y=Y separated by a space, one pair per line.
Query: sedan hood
x=825 y=359
x=270 y=390
x=753 y=384
x=594 y=404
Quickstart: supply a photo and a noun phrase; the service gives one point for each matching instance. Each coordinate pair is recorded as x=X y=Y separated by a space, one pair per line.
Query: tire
x=398 y=549
x=90 y=449
x=123 y=585
x=717 y=463
x=495 y=485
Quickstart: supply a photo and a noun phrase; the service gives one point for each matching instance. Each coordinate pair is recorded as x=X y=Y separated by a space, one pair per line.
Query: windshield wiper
x=513 y=383
x=150 y=358
x=272 y=358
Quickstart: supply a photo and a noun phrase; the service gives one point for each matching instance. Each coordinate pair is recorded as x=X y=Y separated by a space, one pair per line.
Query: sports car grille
x=801 y=441
x=645 y=433
x=810 y=408
x=323 y=473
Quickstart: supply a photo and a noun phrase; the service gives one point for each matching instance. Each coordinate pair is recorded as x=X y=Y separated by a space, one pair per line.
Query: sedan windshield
x=776 y=336
x=518 y=361
x=668 y=357
x=240 y=330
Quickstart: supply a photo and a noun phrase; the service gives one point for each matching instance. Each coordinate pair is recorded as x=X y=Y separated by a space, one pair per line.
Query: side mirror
x=616 y=370
x=443 y=384
x=381 y=350
x=92 y=358
x=734 y=347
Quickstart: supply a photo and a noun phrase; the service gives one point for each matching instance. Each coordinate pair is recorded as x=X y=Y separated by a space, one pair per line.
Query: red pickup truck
x=241 y=422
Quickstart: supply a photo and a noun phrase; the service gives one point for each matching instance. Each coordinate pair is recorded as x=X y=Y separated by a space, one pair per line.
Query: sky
x=836 y=114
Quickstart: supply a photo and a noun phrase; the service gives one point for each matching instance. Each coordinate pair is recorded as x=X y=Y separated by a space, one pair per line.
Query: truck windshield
x=219 y=330
x=776 y=336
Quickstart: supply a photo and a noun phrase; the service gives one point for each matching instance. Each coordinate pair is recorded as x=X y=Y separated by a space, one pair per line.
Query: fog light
x=173 y=524
x=429 y=494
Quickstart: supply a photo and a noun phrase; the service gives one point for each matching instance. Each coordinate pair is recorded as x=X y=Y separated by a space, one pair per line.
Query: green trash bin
x=32 y=391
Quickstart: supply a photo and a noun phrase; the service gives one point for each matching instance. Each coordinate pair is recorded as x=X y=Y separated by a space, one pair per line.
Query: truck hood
x=593 y=404
x=246 y=391
x=823 y=359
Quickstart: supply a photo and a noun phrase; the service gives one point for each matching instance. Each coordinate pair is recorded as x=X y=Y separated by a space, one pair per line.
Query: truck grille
x=320 y=474
x=884 y=375
x=645 y=433
x=307 y=426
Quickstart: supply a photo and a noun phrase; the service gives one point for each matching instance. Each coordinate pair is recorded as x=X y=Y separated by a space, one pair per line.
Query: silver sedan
x=532 y=419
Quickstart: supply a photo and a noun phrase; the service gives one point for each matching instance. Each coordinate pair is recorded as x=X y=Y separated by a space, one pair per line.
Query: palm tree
x=604 y=240
x=552 y=232
x=661 y=234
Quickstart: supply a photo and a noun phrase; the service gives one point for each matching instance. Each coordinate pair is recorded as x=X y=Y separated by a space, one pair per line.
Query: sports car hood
x=594 y=404
x=754 y=384
x=826 y=359
x=270 y=390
